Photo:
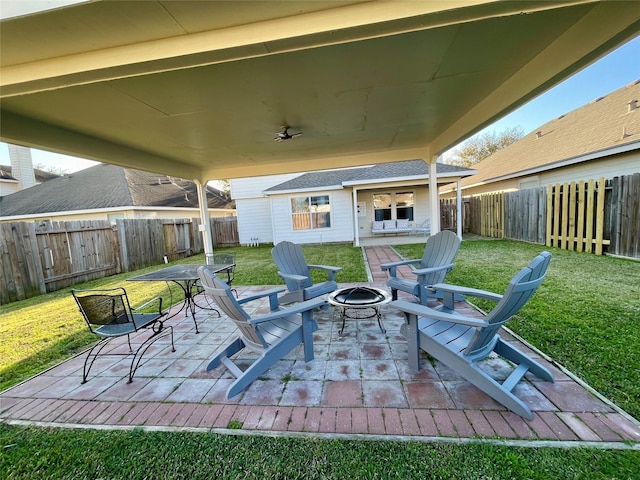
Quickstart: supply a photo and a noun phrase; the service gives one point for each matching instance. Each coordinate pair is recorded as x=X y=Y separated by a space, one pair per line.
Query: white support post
x=434 y=197
x=356 y=230
x=205 y=221
x=459 y=208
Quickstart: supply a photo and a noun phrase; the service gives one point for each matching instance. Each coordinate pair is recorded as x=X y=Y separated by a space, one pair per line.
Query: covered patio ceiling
x=198 y=89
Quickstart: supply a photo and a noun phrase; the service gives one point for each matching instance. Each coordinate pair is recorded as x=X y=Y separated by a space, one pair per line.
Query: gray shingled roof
x=383 y=172
x=108 y=186
x=6 y=173
x=601 y=124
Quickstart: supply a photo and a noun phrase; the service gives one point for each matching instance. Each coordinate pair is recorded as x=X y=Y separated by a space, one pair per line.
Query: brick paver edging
x=559 y=429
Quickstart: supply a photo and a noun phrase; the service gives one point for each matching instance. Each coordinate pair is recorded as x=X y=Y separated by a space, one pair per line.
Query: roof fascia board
x=323 y=188
x=108 y=210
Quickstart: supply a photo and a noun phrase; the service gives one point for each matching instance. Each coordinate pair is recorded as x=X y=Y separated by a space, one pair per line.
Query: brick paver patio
x=359 y=384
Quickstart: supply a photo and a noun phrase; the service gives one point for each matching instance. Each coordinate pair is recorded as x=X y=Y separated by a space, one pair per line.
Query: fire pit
x=359 y=302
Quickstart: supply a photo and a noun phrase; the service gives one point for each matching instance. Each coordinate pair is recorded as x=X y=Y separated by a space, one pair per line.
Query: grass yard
x=42 y=331
x=82 y=454
x=585 y=315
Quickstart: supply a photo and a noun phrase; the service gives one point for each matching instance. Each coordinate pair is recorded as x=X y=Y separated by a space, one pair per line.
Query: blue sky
x=610 y=73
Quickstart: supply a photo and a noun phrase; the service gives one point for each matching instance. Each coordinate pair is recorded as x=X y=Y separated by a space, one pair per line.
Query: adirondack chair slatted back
x=441 y=249
x=520 y=289
x=290 y=259
x=104 y=308
x=221 y=293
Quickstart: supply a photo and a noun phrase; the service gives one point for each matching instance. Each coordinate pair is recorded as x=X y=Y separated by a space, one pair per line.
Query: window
x=392 y=206
x=382 y=206
x=311 y=212
x=404 y=206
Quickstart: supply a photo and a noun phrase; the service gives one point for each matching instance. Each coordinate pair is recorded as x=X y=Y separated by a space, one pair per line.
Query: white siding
x=252 y=187
x=341 y=229
x=609 y=167
x=254 y=220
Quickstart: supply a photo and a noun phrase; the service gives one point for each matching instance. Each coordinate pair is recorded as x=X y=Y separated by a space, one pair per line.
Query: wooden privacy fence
x=525 y=215
x=487 y=214
x=586 y=216
x=41 y=257
x=576 y=216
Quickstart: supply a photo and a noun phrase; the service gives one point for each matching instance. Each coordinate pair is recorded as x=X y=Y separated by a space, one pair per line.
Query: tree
x=50 y=169
x=481 y=146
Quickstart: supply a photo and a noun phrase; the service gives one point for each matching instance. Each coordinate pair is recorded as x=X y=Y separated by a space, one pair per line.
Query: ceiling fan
x=285 y=135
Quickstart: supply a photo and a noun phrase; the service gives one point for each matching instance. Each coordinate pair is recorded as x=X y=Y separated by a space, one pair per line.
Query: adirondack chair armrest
x=392 y=266
x=466 y=291
x=426 y=271
x=291 y=276
x=267 y=293
x=292 y=310
x=422 y=311
x=331 y=271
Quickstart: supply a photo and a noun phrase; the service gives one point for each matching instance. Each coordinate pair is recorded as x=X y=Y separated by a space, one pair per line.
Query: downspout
x=356 y=233
x=459 y=208
x=434 y=198
x=205 y=222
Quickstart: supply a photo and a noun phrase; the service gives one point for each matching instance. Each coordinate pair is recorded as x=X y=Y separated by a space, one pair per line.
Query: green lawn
x=42 y=331
x=30 y=453
x=585 y=315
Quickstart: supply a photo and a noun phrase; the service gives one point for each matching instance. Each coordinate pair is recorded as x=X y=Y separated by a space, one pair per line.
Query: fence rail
x=41 y=257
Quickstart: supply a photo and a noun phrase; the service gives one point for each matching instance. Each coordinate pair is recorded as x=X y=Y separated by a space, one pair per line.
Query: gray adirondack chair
x=461 y=342
x=272 y=335
x=296 y=273
x=432 y=268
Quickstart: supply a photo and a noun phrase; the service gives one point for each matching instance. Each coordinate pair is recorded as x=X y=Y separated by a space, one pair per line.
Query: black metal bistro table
x=185 y=276
x=360 y=302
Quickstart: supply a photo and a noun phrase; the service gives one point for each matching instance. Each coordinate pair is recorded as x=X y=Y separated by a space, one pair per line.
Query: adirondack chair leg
x=410 y=330
x=261 y=365
x=510 y=353
x=488 y=385
x=471 y=372
x=229 y=351
x=307 y=335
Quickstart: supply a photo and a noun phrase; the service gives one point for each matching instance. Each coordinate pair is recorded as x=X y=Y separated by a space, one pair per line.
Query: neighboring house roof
x=41 y=175
x=605 y=126
x=383 y=172
x=109 y=186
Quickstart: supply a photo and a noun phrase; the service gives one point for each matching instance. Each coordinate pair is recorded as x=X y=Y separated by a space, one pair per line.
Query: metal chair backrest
x=103 y=307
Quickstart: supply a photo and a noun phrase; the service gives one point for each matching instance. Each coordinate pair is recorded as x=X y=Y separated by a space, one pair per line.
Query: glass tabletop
x=180 y=272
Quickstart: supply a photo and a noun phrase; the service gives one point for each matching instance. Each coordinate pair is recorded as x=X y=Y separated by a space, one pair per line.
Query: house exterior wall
x=254 y=221
x=254 y=208
x=420 y=208
x=608 y=167
x=341 y=229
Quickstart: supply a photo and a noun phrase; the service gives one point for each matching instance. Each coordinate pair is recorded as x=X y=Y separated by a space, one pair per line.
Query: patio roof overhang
x=198 y=89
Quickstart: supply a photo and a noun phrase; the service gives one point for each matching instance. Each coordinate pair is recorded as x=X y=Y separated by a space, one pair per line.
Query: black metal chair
x=109 y=315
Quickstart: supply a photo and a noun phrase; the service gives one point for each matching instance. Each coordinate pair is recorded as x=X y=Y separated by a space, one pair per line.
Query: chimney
x=538 y=134
x=632 y=105
x=22 y=166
